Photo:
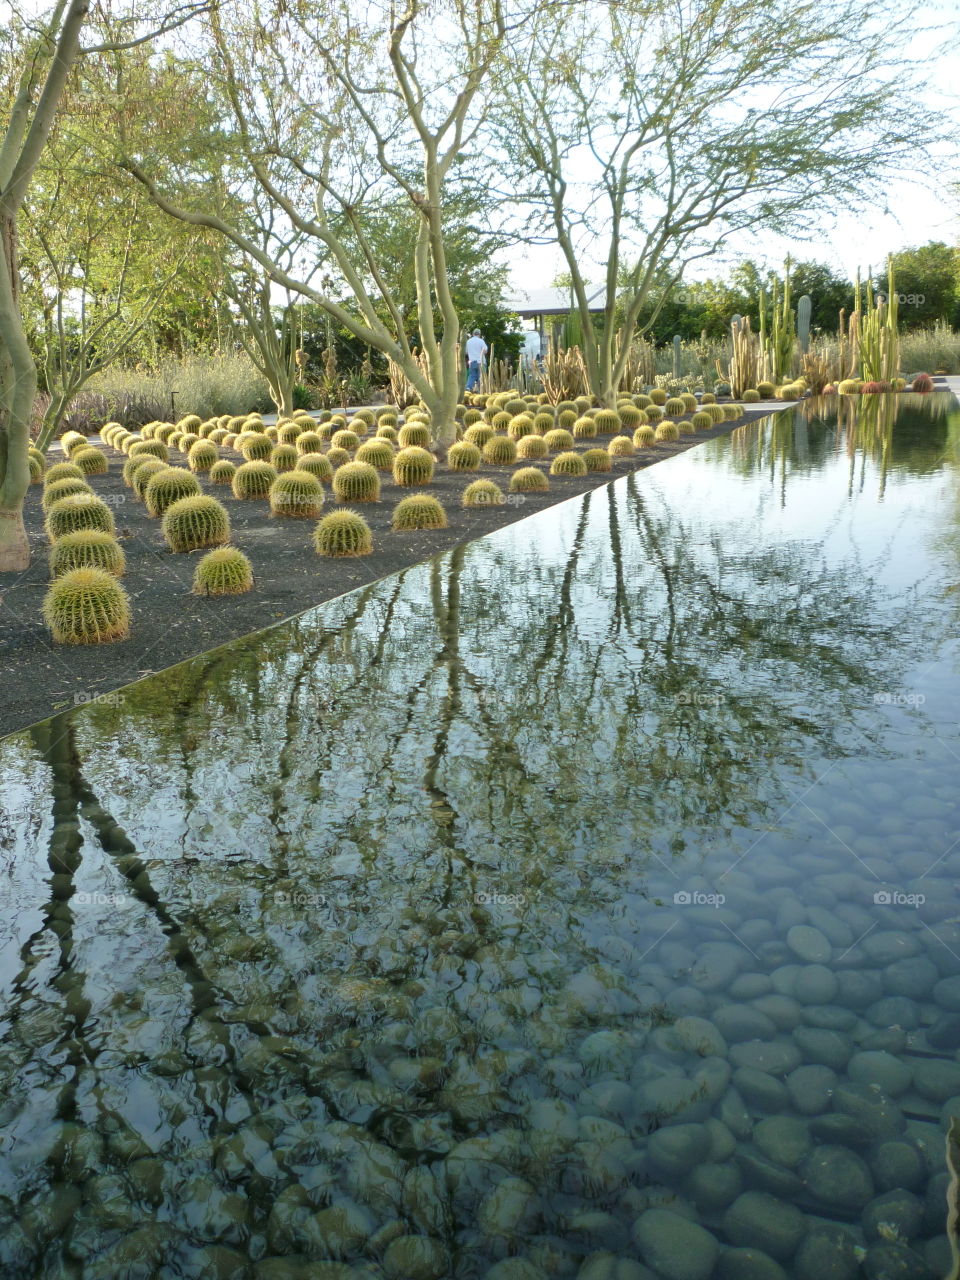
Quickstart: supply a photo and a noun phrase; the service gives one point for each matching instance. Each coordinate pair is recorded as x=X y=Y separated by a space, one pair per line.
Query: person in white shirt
x=476 y=351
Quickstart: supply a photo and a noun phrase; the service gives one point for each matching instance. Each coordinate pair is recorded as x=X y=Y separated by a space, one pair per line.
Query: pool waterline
x=488 y=904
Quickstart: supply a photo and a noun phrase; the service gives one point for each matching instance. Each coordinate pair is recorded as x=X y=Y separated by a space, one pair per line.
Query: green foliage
x=223 y=572
x=419 y=511
x=621 y=447
x=169 y=486
x=298 y=494
x=87 y=549
x=78 y=511
x=92 y=462
x=500 y=451
x=195 y=522
x=222 y=472
x=463 y=456
x=595 y=460
x=413 y=466
x=202 y=456
x=220 y=384
x=253 y=480
x=531 y=447
x=87 y=606
x=483 y=493
x=356 y=482
x=343 y=533
x=571 y=464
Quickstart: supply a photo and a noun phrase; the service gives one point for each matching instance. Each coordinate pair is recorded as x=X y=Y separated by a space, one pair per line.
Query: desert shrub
x=211 y=385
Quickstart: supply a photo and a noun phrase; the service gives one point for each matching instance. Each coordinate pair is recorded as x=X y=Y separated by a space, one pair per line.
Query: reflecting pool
x=581 y=903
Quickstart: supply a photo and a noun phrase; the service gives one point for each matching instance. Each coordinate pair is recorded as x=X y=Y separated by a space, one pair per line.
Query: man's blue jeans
x=473 y=374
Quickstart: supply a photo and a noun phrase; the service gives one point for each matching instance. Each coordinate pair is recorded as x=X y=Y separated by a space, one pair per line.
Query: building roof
x=547 y=302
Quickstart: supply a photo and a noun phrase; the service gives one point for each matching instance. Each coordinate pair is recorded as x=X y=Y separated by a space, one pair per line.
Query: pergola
x=539 y=304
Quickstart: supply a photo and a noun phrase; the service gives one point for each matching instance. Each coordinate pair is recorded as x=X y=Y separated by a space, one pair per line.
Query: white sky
x=916 y=213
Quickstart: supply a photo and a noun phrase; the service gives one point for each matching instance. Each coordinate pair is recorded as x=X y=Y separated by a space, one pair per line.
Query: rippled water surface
x=582 y=903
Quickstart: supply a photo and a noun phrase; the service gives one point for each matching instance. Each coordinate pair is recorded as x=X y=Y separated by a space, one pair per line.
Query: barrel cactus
x=731 y=412
x=501 y=420
x=716 y=411
x=631 y=417
x=654 y=413
x=378 y=453
x=195 y=522
x=658 y=396
x=186 y=441
x=164 y=431
x=284 y=457
x=92 y=462
x=419 y=511
x=387 y=416
x=686 y=427
x=570 y=464
x=297 y=494
x=87 y=606
x=87 y=549
x=642 y=401
x=148 y=468
x=521 y=425
x=922 y=384
x=256 y=447
x=674 y=407
x=65 y=488
x=596 y=460
x=149 y=449
x=557 y=440
x=317 y=464
x=132 y=464
x=308 y=442
x=478 y=435
x=765 y=390
x=288 y=433
x=690 y=401
x=343 y=533
x=644 y=436
x=387 y=431
x=190 y=422
x=529 y=480
x=413 y=466
x=708 y=398
x=621 y=447
x=202 y=456
x=338 y=457
x=751 y=396
x=848 y=387
x=71 y=440
x=78 y=511
x=483 y=493
x=414 y=433
x=168 y=486
x=896 y=384
x=702 y=421
x=466 y=456
x=532 y=447
x=584 y=428
x=224 y=571
x=500 y=451
x=667 y=431
x=566 y=418
x=345 y=439
x=222 y=472
x=63 y=471
x=356 y=482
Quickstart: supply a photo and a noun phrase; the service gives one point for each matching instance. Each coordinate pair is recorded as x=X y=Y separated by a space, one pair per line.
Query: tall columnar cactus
x=879 y=340
x=677 y=340
x=804 y=312
x=777 y=345
x=743 y=371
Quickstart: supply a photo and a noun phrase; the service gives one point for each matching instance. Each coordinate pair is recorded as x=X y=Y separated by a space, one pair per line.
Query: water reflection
x=552 y=903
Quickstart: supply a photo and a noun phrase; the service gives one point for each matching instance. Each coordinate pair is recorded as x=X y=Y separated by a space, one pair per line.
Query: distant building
x=541 y=305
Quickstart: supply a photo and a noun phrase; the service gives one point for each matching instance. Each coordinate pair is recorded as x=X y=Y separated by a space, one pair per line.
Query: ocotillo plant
x=676 y=356
x=879 y=341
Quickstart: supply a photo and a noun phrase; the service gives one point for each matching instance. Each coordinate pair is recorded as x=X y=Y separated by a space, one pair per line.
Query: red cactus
x=922 y=383
x=829 y=389
x=872 y=388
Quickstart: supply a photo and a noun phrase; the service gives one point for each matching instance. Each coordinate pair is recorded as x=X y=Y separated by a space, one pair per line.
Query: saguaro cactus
x=804 y=310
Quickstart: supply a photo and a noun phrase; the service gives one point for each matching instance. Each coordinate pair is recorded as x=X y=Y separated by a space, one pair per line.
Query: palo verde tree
x=334 y=120
x=38 y=53
x=642 y=136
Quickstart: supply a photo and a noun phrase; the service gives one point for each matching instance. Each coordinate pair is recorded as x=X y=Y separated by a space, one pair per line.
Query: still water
x=581 y=903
